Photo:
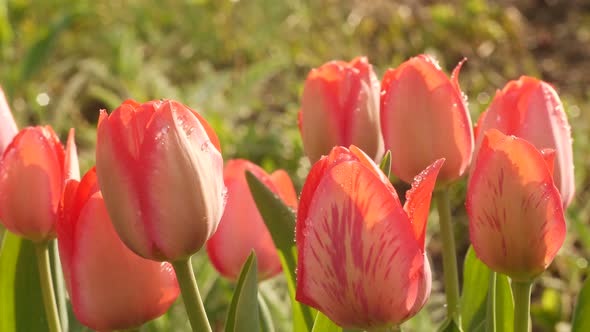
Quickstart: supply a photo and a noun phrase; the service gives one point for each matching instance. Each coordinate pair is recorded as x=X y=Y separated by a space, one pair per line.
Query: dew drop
x=205 y=146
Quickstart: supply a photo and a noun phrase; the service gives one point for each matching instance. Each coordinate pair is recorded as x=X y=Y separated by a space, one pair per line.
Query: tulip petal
x=419 y=104
x=356 y=243
x=285 y=188
x=8 y=127
x=243 y=226
x=516 y=216
x=130 y=292
x=72 y=166
x=116 y=171
x=417 y=204
x=177 y=153
x=31 y=161
x=549 y=156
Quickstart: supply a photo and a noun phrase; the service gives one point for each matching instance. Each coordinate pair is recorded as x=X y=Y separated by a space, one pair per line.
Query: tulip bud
x=516 y=221
x=424 y=117
x=361 y=255
x=160 y=170
x=7 y=125
x=32 y=174
x=531 y=109
x=340 y=106
x=110 y=287
x=241 y=228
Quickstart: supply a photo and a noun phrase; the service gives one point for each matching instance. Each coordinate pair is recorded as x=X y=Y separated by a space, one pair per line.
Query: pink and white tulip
x=160 y=170
x=516 y=221
x=361 y=254
x=340 y=106
x=424 y=117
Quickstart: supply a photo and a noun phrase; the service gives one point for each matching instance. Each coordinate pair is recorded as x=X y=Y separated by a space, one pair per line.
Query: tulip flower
x=531 y=109
x=340 y=106
x=160 y=170
x=242 y=228
x=424 y=117
x=8 y=127
x=110 y=287
x=361 y=254
x=32 y=172
x=516 y=221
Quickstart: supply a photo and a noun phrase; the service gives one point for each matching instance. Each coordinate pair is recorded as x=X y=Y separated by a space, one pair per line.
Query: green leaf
x=386 y=163
x=280 y=221
x=450 y=326
x=267 y=324
x=475 y=292
x=581 y=317
x=243 y=310
x=324 y=324
x=21 y=300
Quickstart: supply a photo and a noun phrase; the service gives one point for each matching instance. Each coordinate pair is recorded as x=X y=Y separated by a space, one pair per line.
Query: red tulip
x=424 y=117
x=8 y=127
x=516 y=221
x=160 y=170
x=340 y=106
x=32 y=173
x=531 y=109
x=110 y=287
x=361 y=255
x=241 y=228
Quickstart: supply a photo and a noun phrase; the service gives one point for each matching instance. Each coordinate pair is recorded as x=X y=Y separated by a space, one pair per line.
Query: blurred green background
x=242 y=64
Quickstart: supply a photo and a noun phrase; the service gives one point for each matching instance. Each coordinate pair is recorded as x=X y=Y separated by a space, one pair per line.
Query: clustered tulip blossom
x=160 y=192
x=531 y=109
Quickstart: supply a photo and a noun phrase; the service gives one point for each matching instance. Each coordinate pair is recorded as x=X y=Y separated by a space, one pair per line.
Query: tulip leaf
x=450 y=326
x=475 y=292
x=243 y=311
x=324 y=324
x=21 y=300
x=266 y=323
x=280 y=221
x=386 y=164
x=581 y=317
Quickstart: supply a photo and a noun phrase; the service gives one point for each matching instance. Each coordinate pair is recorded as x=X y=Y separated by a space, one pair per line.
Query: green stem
x=522 y=305
x=59 y=284
x=491 y=314
x=450 y=274
x=195 y=309
x=42 y=253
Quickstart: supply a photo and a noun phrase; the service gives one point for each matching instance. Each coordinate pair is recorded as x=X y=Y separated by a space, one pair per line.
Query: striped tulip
x=340 y=106
x=241 y=228
x=110 y=287
x=424 y=117
x=531 y=109
x=361 y=254
x=160 y=170
x=33 y=170
x=516 y=221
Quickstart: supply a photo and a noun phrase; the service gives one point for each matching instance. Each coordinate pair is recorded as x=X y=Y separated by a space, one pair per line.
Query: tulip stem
x=195 y=309
x=42 y=253
x=522 y=305
x=491 y=314
x=450 y=273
